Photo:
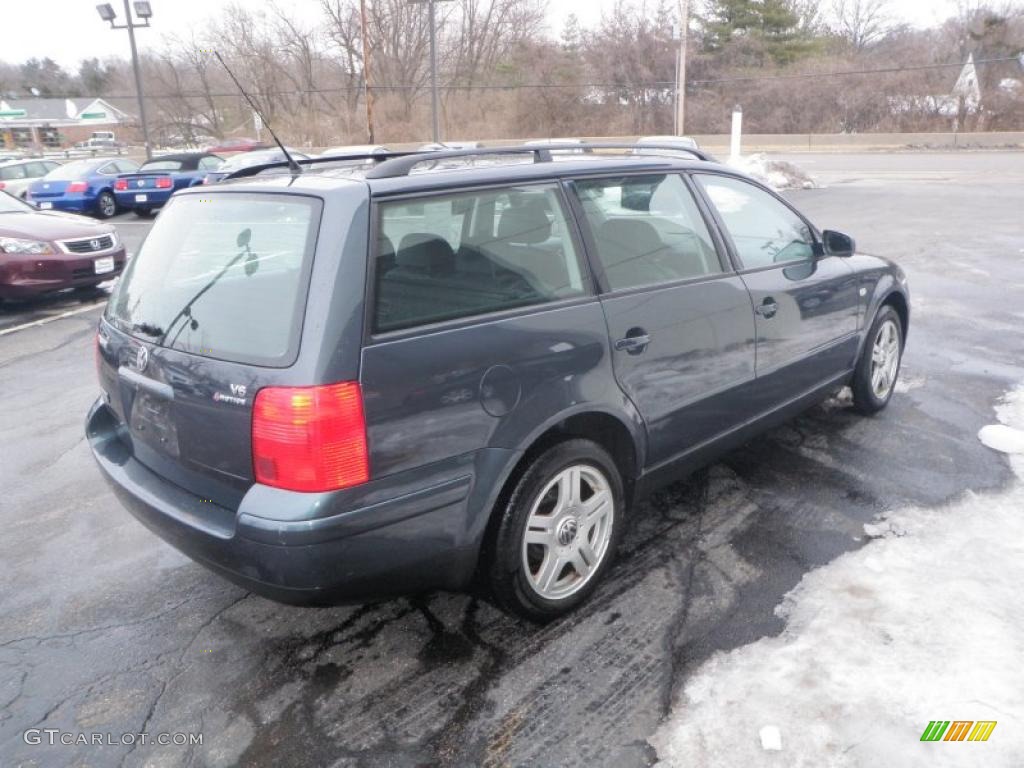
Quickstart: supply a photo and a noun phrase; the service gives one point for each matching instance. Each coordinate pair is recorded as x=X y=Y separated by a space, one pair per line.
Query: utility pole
x=433 y=66
x=367 y=94
x=144 y=12
x=684 y=29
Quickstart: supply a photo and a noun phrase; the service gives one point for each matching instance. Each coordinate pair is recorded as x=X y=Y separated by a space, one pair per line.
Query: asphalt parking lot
x=104 y=628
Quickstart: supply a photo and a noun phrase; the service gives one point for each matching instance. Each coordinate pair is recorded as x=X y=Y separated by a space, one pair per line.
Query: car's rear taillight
x=121 y=185
x=2 y=185
x=163 y=183
x=310 y=438
x=77 y=186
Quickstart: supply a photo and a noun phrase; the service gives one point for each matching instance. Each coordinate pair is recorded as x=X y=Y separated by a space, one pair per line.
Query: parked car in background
x=156 y=180
x=572 y=146
x=42 y=251
x=356 y=149
x=248 y=160
x=478 y=379
x=236 y=145
x=442 y=146
x=81 y=186
x=17 y=175
x=663 y=145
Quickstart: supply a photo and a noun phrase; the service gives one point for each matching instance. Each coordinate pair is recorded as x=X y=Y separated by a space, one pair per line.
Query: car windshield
x=74 y=170
x=222 y=276
x=162 y=165
x=11 y=204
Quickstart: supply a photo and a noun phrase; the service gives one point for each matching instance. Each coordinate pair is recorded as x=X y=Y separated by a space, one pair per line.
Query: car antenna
x=293 y=166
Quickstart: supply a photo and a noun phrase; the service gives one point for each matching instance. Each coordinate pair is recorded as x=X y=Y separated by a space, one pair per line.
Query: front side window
x=647 y=230
x=12 y=172
x=763 y=230
x=470 y=253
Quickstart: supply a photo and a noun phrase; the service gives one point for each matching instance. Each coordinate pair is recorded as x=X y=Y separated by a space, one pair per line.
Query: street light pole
x=144 y=12
x=684 y=28
x=433 y=72
x=433 y=65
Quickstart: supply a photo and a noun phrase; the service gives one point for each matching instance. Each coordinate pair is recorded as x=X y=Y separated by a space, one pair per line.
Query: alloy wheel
x=885 y=359
x=568 y=531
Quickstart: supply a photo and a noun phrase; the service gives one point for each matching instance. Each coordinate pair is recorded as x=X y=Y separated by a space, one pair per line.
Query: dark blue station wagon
x=431 y=371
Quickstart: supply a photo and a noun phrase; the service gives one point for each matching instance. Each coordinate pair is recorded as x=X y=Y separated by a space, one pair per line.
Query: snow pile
x=777 y=174
x=924 y=623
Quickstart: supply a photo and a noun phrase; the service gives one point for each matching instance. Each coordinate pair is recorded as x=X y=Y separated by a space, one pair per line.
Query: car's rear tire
x=557 y=532
x=106 y=205
x=874 y=380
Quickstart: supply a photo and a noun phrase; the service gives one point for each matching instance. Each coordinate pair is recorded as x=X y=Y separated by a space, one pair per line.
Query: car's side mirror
x=837 y=244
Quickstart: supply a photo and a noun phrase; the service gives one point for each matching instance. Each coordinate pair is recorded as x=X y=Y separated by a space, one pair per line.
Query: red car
x=48 y=251
x=237 y=145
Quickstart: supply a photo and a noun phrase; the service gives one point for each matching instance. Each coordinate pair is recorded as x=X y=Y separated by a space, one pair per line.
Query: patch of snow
x=925 y=622
x=1000 y=437
x=777 y=174
x=771 y=739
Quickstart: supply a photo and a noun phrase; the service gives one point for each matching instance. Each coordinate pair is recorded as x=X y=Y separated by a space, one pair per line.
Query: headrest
x=426 y=252
x=525 y=223
x=630 y=235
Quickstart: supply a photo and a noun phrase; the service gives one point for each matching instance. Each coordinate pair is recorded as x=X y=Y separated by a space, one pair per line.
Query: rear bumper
x=154 y=199
x=71 y=204
x=413 y=541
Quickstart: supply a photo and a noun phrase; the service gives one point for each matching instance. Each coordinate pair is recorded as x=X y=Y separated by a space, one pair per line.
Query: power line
x=654 y=85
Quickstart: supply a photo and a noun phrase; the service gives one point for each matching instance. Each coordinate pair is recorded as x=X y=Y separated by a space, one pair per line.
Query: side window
x=12 y=172
x=125 y=166
x=108 y=170
x=210 y=163
x=647 y=230
x=763 y=230
x=35 y=170
x=456 y=255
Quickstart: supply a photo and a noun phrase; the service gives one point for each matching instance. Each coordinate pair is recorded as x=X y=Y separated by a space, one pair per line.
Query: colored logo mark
x=958 y=730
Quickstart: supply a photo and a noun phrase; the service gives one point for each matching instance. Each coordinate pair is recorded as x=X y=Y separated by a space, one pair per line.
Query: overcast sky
x=69 y=30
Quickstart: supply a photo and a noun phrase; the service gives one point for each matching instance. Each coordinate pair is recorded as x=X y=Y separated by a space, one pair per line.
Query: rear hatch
x=207 y=313
x=150 y=181
x=49 y=190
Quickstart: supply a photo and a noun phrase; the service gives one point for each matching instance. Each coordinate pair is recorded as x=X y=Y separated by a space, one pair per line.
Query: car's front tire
x=106 y=205
x=879 y=366
x=558 y=531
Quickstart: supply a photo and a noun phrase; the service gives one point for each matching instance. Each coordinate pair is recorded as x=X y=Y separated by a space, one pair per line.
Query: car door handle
x=634 y=345
x=767 y=308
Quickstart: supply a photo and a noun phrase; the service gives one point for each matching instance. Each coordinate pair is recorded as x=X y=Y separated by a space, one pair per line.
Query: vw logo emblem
x=141 y=359
x=96 y=245
x=567 y=531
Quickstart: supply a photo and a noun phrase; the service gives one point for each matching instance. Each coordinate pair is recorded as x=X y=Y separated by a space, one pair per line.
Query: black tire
x=866 y=399
x=143 y=213
x=106 y=205
x=507 y=556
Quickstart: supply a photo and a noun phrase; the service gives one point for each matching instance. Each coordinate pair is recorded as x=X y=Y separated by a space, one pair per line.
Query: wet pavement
x=103 y=628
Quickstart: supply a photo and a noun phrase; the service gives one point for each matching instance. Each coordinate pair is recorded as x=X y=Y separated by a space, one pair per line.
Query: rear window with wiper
x=224 y=276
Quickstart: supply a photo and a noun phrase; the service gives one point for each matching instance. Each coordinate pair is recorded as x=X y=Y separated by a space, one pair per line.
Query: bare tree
x=862 y=22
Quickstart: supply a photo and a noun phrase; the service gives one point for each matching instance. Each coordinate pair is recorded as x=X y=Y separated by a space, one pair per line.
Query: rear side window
x=12 y=172
x=223 y=276
x=464 y=254
x=647 y=230
x=763 y=230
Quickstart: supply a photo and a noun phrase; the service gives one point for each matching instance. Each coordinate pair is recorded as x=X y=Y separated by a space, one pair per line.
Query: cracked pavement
x=103 y=627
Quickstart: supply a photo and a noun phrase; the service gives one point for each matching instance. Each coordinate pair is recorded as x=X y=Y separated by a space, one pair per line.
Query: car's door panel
x=806 y=307
x=680 y=323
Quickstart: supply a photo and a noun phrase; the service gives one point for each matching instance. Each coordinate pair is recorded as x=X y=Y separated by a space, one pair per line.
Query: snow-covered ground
x=925 y=622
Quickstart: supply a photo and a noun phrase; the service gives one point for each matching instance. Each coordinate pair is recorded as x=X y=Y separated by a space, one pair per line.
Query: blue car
x=81 y=186
x=153 y=184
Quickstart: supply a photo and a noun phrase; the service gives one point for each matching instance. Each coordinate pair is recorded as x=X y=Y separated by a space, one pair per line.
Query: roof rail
x=542 y=153
x=252 y=170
